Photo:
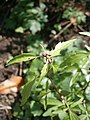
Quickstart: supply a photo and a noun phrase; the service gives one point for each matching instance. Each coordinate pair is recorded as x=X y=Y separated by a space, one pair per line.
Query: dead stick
x=81 y=28
x=67 y=26
x=57 y=35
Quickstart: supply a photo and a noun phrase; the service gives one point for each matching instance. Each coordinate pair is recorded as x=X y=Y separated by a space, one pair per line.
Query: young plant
x=74 y=13
x=48 y=59
x=61 y=86
x=25 y=16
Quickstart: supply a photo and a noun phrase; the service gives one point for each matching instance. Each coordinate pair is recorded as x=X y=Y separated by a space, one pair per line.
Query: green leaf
x=54 y=67
x=49 y=111
x=19 y=30
x=43 y=93
x=65 y=84
x=51 y=101
x=85 y=33
x=36 y=108
x=21 y=58
x=73 y=116
x=74 y=78
x=68 y=69
x=80 y=18
x=60 y=46
x=87 y=93
x=27 y=90
x=83 y=117
x=76 y=103
x=44 y=71
x=17 y=110
x=61 y=113
x=34 y=26
x=74 y=58
x=82 y=107
x=42 y=6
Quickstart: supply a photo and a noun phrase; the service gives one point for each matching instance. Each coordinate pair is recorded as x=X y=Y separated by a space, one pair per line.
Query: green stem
x=55 y=87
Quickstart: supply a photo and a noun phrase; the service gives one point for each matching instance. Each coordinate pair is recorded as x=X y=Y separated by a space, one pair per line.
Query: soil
x=10 y=45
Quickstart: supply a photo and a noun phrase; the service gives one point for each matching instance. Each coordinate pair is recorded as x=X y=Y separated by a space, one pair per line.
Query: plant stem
x=60 y=95
x=55 y=88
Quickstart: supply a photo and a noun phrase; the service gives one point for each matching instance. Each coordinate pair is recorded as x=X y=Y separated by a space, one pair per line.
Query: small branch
x=65 y=23
x=81 y=28
x=21 y=63
x=60 y=95
x=67 y=26
x=57 y=35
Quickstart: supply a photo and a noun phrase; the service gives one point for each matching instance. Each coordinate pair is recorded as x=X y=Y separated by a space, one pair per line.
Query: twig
x=64 y=23
x=67 y=26
x=21 y=63
x=57 y=35
x=60 y=95
x=4 y=107
x=55 y=87
x=81 y=28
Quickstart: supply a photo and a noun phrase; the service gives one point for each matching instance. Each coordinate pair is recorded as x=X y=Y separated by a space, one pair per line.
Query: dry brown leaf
x=73 y=21
x=11 y=85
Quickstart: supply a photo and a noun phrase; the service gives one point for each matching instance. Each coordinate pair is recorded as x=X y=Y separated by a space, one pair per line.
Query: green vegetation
x=27 y=17
x=57 y=79
x=58 y=83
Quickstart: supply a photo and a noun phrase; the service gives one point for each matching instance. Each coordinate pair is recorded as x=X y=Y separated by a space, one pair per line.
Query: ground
x=9 y=46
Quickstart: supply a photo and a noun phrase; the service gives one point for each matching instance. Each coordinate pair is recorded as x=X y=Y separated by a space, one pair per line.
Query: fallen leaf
x=11 y=85
x=73 y=21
